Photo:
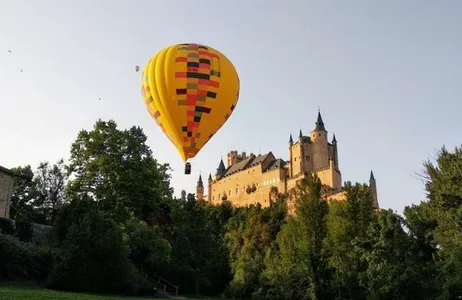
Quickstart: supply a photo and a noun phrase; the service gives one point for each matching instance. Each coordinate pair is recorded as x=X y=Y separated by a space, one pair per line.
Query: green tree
x=198 y=259
x=91 y=253
x=116 y=168
x=297 y=268
x=395 y=270
x=441 y=218
x=149 y=250
x=49 y=182
x=250 y=233
x=23 y=194
x=347 y=221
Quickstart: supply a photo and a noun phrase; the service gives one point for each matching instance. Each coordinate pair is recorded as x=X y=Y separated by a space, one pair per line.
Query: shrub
x=42 y=235
x=19 y=260
x=149 y=250
x=7 y=226
x=24 y=231
x=91 y=253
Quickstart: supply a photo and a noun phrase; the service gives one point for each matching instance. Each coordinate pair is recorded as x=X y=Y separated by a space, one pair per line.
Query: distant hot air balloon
x=137 y=68
x=190 y=90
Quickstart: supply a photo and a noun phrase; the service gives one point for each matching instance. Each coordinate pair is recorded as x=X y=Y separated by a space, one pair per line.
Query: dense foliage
x=117 y=227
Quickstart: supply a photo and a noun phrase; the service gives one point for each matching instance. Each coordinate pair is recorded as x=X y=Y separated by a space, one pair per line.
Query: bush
x=42 y=235
x=91 y=253
x=24 y=231
x=19 y=260
x=149 y=251
x=7 y=226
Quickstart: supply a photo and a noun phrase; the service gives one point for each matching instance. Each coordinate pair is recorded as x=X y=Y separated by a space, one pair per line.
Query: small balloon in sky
x=137 y=68
x=190 y=90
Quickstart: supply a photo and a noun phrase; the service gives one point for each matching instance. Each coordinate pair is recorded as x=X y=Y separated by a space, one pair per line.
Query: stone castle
x=251 y=179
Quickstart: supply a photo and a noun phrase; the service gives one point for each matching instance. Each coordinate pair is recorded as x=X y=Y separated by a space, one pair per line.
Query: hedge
x=27 y=232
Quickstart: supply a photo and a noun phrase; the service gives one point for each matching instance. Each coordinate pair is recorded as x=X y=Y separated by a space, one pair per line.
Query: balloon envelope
x=190 y=90
x=137 y=68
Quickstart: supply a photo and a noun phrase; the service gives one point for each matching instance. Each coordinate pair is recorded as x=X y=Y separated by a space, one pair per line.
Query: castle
x=251 y=179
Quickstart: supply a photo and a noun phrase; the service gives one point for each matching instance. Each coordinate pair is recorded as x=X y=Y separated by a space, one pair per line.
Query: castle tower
x=373 y=189
x=234 y=157
x=302 y=152
x=200 y=189
x=320 y=148
x=335 y=152
x=221 y=170
x=209 y=192
x=295 y=155
x=291 y=169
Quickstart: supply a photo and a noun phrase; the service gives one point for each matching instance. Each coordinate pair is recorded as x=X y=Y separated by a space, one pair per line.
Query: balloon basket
x=187 y=168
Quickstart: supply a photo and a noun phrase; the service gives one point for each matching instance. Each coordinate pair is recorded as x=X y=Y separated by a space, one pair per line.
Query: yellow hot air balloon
x=190 y=90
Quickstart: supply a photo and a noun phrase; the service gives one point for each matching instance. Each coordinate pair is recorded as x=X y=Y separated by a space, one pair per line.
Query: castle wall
x=337 y=180
x=295 y=163
x=325 y=175
x=234 y=186
x=6 y=186
x=330 y=150
x=307 y=158
x=320 y=149
x=341 y=196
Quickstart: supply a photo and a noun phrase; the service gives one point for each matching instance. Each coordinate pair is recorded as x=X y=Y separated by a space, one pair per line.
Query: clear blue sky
x=387 y=76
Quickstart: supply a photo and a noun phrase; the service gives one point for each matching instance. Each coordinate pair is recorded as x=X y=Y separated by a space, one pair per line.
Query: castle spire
x=300 y=134
x=221 y=168
x=210 y=177
x=335 y=151
x=291 y=140
x=199 y=182
x=319 y=123
x=373 y=189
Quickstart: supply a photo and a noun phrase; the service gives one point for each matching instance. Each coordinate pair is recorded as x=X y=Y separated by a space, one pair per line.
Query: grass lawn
x=22 y=291
x=15 y=291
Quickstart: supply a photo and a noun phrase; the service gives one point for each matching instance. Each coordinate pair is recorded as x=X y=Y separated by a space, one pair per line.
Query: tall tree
x=300 y=269
x=444 y=217
x=50 y=181
x=23 y=194
x=395 y=270
x=347 y=221
x=116 y=168
x=250 y=234
x=91 y=253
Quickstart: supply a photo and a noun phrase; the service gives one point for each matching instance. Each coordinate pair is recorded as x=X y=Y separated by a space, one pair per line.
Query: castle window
x=219 y=196
x=307 y=157
x=295 y=159
x=230 y=192
x=237 y=190
x=213 y=198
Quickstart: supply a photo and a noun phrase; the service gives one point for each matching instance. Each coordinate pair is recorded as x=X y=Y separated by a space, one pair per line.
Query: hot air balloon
x=190 y=90
x=137 y=68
